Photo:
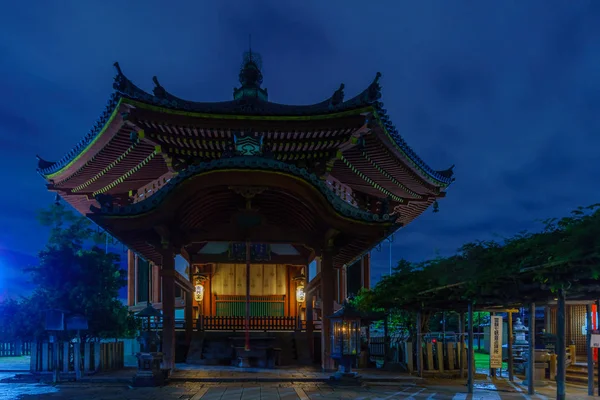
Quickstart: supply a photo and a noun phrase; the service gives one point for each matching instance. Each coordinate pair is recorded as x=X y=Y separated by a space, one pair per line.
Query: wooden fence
x=15 y=349
x=91 y=357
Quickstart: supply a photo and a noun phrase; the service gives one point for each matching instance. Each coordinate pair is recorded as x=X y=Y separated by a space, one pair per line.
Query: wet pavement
x=441 y=390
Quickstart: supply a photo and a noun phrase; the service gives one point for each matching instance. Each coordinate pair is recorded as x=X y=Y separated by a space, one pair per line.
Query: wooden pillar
x=156 y=284
x=310 y=325
x=531 y=358
x=471 y=358
x=327 y=293
x=130 y=278
x=189 y=316
x=366 y=271
x=492 y=371
x=561 y=346
x=136 y=262
x=511 y=376
x=589 y=350
x=419 y=344
x=168 y=307
x=343 y=284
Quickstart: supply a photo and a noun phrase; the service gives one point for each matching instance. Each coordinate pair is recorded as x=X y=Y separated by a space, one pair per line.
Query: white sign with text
x=496 y=342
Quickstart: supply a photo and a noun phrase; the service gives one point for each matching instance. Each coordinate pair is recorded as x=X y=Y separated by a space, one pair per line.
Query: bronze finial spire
x=250 y=76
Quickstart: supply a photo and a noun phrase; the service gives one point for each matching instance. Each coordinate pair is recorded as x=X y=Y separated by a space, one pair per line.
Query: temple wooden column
x=168 y=307
x=189 y=316
x=131 y=278
x=327 y=295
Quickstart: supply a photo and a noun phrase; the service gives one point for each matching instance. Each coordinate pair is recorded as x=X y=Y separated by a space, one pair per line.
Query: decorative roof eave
x=49 y=170
x=334 y=107
x=442 y=178
x=244 y=163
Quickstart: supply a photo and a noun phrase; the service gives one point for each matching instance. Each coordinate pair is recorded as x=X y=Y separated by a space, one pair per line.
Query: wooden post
x=531 y=360
x=33 y=361
x=45 y=355
x=561 y=346
x=471 y=358
x=189 y=316
x=310 y=326
x=97 y=357
x=409 y=354
x=87 y=362
x=461 y=344
x=589 y=350
x=419 y=345
x=327 y=287
x=65 y=360
x=168 y=308
x=511 y=376
x=440 y=355
x=55 y=360
x=429 y=349
x=451 y=358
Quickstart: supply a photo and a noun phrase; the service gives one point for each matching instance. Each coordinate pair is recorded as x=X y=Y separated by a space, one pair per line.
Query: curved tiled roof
x=125 y=88
x=245 y=162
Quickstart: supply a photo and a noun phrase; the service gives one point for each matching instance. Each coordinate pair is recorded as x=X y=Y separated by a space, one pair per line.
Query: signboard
x=496 y=342
x=595 y=338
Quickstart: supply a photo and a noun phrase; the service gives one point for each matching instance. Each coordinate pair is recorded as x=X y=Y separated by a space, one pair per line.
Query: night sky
x=509 y=91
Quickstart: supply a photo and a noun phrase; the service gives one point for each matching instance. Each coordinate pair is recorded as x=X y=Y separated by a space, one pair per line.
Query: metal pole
x=531 y=360
x=247 y=348
x=597 y=326
x=419 y=345
x=589 y=350
x=461 y=334
x=471 y=357
x=561 y=346
x=511 y=376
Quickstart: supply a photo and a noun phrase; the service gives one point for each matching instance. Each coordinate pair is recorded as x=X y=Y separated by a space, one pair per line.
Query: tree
x=78 y=277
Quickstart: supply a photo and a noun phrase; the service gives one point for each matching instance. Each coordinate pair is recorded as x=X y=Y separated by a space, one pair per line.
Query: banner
x=496 y=342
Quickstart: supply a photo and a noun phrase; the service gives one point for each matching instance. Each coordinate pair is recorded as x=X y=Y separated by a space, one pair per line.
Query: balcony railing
x=210 y=323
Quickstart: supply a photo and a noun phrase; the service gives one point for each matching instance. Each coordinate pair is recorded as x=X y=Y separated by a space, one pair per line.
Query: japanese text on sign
x=496 y=342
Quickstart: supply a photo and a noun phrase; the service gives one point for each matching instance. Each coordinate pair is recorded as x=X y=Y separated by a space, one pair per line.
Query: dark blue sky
x=509 y=91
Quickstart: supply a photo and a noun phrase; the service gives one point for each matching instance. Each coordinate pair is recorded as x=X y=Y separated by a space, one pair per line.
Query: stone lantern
x=345 y=338
x=149 y=359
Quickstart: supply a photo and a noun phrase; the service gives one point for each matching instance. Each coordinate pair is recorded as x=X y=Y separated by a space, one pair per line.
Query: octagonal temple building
x=247 y=221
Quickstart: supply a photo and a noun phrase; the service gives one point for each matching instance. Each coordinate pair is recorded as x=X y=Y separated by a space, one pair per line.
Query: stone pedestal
x=149 y=372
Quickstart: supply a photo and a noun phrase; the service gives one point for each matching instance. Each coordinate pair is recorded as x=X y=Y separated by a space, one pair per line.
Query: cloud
x=508 y=92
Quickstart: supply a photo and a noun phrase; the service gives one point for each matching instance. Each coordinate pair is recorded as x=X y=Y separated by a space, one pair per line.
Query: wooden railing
x=210 y=323
x=15 y=349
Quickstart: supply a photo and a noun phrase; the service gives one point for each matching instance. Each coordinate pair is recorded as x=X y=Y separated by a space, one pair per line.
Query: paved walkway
x=434 y=390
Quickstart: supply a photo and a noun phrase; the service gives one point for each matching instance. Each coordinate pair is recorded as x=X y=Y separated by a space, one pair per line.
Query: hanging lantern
x=199 y=288
x=300 y=293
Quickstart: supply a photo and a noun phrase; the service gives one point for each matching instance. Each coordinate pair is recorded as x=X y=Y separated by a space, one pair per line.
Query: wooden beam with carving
x=225 y=259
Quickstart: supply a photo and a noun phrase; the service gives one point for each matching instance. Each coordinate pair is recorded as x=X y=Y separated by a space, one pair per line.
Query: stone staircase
x=578 y=374
x=214 y=348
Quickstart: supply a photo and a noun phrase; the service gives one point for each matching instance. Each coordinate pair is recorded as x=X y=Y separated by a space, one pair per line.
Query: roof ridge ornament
x=158 y=91
x=337 y=98
x=251 y=78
